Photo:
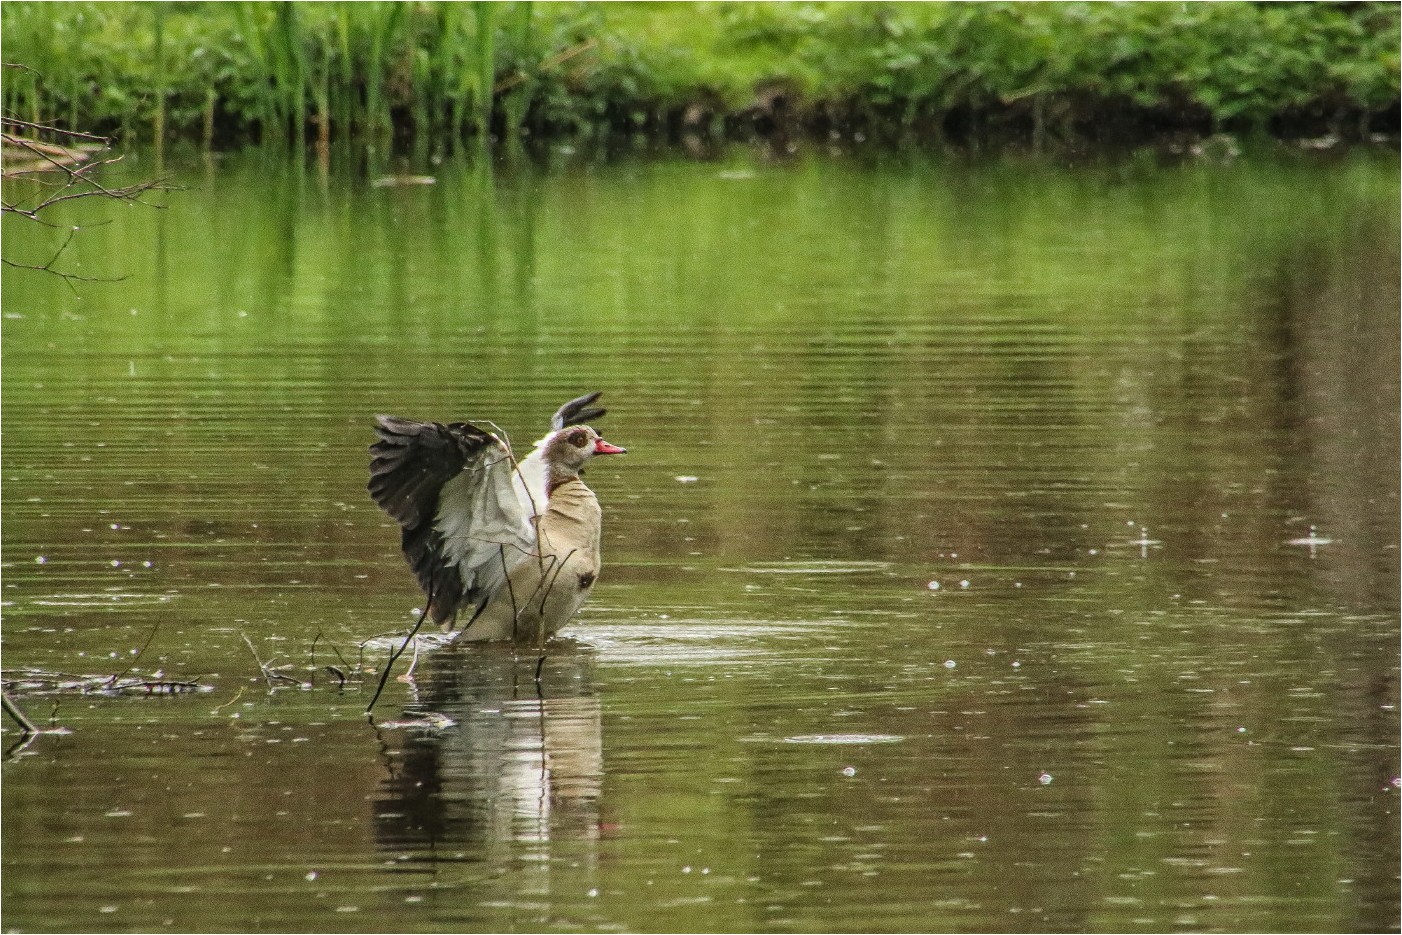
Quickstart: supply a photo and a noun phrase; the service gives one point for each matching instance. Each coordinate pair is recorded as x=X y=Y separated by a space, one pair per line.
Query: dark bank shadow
x=488 y=753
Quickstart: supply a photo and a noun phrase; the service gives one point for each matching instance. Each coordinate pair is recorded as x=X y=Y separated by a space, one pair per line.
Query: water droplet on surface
x=1045 y=779
x=849 y=771
x=933 y=585
x=40 y=559
x=311 y=875
x=964 y=583
x=1313 y=541
x=950 y=663
x=592 y=893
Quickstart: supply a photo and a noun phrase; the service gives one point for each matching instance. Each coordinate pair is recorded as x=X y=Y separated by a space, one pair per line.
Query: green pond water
x=1003 y=545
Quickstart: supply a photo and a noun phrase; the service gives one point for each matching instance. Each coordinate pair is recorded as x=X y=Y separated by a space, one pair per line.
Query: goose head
x=566 y=450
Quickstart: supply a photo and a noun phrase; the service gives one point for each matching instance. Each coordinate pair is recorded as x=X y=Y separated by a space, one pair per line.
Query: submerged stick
x=268 y=674
x=140 y=652
x=394 y=657
x=13 y=710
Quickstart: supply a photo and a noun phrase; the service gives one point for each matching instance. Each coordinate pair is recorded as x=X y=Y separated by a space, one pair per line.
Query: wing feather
x=578 y=411
x=450 y=487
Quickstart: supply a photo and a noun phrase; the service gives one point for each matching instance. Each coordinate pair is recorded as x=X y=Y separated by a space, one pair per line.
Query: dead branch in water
x=394 y=656
x=41 y=682
x=13 y=710
x=137 y=658
x=269 y=674
x=338 y=672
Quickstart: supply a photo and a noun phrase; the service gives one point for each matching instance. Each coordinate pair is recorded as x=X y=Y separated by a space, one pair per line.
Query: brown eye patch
x=579 y=439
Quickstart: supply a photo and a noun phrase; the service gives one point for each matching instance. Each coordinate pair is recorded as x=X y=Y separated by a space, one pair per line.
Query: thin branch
x=510 y=591
x=268 y=673
x=12 y=121
x=13 y=710
x=43 y=153
x=149 y=637
x=394 y=657
x=413 y=664
x=231 y=700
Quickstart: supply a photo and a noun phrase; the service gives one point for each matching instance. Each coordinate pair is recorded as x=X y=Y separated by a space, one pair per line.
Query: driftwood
x=18 y=682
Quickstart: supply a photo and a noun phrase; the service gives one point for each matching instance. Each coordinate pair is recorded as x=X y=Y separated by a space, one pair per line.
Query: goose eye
x=579 y=439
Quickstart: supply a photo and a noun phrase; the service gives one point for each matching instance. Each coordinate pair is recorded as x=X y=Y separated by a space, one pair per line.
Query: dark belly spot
x=586 y=580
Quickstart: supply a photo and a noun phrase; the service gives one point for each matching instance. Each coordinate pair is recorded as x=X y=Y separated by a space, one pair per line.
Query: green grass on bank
x=231 y=72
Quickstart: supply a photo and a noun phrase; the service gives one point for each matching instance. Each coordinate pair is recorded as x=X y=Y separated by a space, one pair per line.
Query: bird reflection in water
x=487 y=753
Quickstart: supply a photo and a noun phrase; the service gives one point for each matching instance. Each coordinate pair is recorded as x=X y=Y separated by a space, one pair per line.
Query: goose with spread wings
x=512 y=547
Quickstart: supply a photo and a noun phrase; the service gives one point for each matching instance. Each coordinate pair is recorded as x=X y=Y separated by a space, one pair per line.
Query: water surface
x=953 y=580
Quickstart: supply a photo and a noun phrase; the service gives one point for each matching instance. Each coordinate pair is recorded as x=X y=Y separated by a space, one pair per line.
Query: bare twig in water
x=261 y=668
x=137 y=658
x=559 y=567
x=510 y=591
x=338 y=671
x=230 y=701
x=160 y=686
x=13 y=710
x=413 y=664
x=38 y=681
x=269 y=674
x=394 y=657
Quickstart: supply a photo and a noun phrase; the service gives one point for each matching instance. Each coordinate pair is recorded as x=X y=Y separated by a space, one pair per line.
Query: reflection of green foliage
x=1011 y=358
x=368 y=67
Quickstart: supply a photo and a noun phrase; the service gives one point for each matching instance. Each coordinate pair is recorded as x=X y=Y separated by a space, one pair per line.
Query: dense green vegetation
x=228 y=72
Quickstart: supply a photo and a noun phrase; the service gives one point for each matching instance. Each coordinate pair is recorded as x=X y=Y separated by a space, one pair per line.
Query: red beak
x=602 y=447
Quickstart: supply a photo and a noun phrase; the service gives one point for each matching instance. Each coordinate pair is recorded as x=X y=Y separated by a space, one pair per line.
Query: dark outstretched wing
x=450 y=488
x=412 y=460
x=577 y=411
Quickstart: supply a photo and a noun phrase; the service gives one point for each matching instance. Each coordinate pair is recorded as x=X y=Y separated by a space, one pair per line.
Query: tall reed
x=441 y=73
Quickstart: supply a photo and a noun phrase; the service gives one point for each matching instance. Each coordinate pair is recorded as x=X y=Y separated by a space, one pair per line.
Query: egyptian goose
x=512 y=545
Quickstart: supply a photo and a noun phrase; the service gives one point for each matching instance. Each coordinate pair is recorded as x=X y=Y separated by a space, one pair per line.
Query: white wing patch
x=482 y=522
x=530 y=482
